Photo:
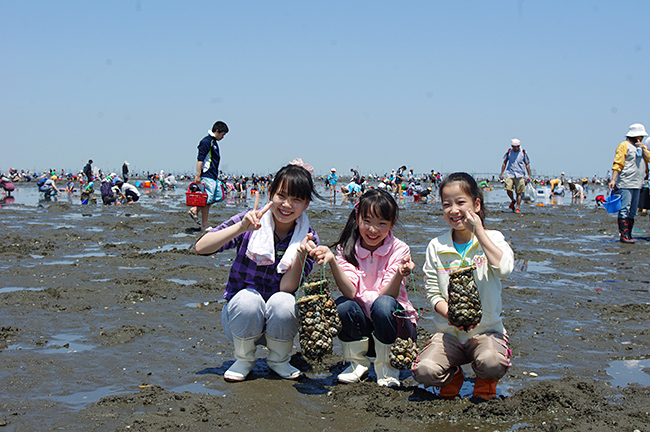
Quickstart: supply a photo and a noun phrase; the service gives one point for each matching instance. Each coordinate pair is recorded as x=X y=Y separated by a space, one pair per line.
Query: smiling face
x=455 y=204
x=373 y=230
x=286 y=209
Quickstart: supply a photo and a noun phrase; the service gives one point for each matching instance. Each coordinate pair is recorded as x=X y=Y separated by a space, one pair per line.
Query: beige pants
x=488 y=353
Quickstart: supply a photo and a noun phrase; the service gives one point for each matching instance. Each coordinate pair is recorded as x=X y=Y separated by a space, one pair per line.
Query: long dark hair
x=295 y=181
x=374 y=202
x=467 y=185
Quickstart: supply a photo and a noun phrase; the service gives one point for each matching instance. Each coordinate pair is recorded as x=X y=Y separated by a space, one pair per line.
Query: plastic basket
x=612 y=203
x=195 y=195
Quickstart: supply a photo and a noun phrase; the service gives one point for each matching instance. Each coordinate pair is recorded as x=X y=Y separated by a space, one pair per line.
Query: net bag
x=404 y=350
x=463 y=299
x=319 y=320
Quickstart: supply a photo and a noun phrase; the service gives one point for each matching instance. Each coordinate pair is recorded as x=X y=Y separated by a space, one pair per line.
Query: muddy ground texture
x=100 y=329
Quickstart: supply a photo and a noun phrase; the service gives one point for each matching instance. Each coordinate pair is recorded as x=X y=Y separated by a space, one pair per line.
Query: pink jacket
x=375 y=271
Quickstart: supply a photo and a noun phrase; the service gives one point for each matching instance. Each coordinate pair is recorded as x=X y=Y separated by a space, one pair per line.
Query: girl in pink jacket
x=369 y=269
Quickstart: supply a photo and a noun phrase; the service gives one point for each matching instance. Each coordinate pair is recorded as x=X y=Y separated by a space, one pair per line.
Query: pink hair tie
x=300 y=163
x=356 y=207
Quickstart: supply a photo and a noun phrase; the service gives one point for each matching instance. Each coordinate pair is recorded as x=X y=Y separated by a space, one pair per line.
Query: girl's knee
x=429 y=372
x=490 y=364
x=383 y=308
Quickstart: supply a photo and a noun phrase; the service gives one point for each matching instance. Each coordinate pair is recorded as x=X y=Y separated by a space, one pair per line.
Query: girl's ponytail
x=348 y=239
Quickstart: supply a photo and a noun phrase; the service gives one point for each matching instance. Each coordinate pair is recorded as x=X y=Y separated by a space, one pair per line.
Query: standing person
x=356 y=178
x=332 y=178
x=272 y=248
x=486 y=344
x=207 y=170
x=125 y=171
x=88 y=171
x=628 y=172
x=369 y=269
x=518 y=164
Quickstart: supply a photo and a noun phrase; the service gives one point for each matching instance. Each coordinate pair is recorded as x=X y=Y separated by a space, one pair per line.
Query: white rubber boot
x=355 y=353
x=278 y=359
x=244 y=359
x=387 y=376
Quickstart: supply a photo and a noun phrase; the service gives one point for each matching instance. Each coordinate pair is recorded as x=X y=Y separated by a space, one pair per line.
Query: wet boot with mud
x=278 y=359
x=387 y=376
x=355 y=353
x=485 y=389
x=452 y=390
x=625 y=229
x=244 y=359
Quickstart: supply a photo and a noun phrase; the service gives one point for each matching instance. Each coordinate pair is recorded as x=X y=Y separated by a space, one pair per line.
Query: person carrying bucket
x=207 y=170
x=629 y=170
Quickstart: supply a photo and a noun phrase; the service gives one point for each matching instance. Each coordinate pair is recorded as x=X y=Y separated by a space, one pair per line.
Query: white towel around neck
x=261 y=246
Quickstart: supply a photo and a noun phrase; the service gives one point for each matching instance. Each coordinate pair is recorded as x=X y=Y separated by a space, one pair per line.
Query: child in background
x=485 y=345
x=369 y=270
x=272 y=248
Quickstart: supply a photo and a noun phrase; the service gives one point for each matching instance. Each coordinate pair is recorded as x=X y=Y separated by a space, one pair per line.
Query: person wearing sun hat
x=629 y=171
x=515 y=165
x=332 y=178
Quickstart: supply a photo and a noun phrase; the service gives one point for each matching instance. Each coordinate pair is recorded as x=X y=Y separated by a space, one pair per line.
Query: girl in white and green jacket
x=468 y=243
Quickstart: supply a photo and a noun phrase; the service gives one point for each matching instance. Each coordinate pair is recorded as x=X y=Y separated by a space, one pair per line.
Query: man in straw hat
x=515 y=164
x=629 y=170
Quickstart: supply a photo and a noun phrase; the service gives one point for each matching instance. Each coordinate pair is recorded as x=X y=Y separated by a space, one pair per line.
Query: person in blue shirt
x=331 y=181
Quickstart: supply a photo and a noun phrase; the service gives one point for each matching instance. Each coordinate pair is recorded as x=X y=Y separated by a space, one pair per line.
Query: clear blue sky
x=429 y=84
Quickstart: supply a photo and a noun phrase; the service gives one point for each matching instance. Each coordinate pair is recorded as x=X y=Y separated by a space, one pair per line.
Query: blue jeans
x=629 y=203
x=382 y=321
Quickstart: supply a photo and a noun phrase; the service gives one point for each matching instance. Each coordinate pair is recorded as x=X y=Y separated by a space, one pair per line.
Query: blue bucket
x=612 y=203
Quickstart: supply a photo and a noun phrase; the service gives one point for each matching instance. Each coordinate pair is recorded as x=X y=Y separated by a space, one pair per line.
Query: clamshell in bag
x=319 y=320
x=463 y=298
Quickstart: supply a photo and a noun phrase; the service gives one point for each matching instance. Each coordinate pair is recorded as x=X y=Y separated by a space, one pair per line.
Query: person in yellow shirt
x=629 y=170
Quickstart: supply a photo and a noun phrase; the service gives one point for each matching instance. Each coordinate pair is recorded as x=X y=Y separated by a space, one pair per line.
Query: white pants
x=247 y=315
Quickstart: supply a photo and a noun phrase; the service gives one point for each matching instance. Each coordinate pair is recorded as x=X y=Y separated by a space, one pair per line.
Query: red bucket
x=195 y=195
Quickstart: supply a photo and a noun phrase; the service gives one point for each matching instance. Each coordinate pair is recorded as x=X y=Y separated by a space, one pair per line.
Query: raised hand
x=406 y=266
x=322 y=254
x=252 y=219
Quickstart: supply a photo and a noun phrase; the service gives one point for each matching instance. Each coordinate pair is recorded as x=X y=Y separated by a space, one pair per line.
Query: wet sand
x=100 y=329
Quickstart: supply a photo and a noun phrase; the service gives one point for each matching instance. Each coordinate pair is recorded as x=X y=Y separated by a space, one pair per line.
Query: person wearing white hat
x=515 y=165
x=629 y=171
x=332 y=178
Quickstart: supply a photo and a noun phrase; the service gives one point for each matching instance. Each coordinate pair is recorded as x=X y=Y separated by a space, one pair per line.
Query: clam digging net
x=319 y=320
x=465 y=308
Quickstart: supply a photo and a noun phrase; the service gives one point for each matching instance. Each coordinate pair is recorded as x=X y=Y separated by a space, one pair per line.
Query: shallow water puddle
x=80 y=399
x=183 y=281
x=204 y=303
x=68 y=343
x=197 y=388
x=12 y=289
x=168 y=247
x=97 y=254
x=626 y=372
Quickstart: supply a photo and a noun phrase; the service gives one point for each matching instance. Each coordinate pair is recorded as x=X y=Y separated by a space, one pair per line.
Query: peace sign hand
x=252 y=219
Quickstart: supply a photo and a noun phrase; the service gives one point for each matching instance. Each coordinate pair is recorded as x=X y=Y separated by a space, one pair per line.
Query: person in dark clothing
x=125 y=171
x=88 y=171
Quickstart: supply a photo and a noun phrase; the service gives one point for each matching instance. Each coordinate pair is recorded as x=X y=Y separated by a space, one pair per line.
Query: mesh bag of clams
x=463 y=298
x=319 y=320
x=404 y=350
